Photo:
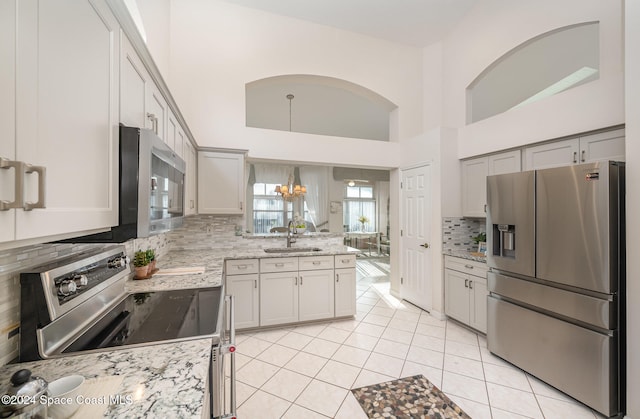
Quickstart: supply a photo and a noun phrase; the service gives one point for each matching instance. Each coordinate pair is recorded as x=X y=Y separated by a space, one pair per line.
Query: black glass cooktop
x=154 y=317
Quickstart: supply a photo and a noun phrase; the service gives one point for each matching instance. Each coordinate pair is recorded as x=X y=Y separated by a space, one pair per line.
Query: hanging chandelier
x=291 y=191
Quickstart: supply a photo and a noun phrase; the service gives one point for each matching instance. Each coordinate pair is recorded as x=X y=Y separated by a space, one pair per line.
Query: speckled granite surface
x=162 y=380
x=465 y=255
x=213 y=261
x=409 y=397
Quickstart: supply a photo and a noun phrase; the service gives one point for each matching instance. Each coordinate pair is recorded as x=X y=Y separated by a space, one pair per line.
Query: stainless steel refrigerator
x=555 y=246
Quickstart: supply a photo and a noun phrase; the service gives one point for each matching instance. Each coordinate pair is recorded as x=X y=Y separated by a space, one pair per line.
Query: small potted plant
x=299 y=224
x=151 y=257
x=141 y=264
x=481 y=240
x=363 y=220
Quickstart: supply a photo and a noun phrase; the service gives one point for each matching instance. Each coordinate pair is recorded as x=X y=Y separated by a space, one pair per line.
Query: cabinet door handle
x=337 y=277
x=468 y=266
x=470 y=285
x=466 y=283
x=18 y=200
x=242 y=266
x=154 y=122
x=582 y=156
x=42 y=174
x=279 y=265
x=575 y=157
x=345 y=260
x=301 y=280
x=255 y=283
x=316 y=262
x=241 y=205
x=296 y=278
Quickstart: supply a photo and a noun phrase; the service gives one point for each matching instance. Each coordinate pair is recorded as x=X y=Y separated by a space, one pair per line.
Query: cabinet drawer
x=241 y=266
x=312 y=263
x=278 y=264
x=470 y=267
x=345 y=261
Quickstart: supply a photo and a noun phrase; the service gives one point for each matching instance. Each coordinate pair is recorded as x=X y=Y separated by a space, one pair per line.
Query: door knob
x=426 y=245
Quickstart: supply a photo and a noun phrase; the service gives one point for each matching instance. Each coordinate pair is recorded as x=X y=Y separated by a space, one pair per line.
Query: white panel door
x=416 y=282
x=246 y=290
x=316 y=295
x=478 y=303
x=67 y=114
x=7 y=114
x=278 y=298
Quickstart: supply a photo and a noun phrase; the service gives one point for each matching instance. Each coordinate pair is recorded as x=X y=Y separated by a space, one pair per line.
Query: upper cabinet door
x=604 y=146
x=7 y=113
x=157 y=112
x=558 y=153
x=134 y=81
x=509 y=162
x=474 y=187
x=67 y=114
x=220 y=183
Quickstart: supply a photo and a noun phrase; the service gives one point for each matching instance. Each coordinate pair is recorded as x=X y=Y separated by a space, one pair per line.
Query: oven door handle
x=230 y=348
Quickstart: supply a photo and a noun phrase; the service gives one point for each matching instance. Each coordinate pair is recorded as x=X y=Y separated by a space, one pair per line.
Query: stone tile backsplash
x=457 y=233
x=198 y=232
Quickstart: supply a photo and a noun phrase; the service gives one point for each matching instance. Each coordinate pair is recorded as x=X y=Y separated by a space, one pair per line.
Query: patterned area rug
x=409 y=397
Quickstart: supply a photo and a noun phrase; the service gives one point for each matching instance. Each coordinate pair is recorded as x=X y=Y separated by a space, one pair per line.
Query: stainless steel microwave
x=151 y=188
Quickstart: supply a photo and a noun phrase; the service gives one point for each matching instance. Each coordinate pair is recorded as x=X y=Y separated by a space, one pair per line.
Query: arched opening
x=543 y=66
x=317 y=105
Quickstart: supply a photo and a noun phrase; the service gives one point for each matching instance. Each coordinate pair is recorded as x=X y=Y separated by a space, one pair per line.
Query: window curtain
x=271 y=173
x=315 y=178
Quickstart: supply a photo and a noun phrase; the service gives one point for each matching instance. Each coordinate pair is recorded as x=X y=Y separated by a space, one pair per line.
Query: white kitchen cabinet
x=134 y=83
x=246 y=289
x=157 y=112
x=278 y=298
x=221 y=188
x=316 y=294
x=64 y=89
x=190 y=179
x=172 y=131
x=474 y=179
x=608 y=145
x=465 y=292
x=345 y=292
x=180 y=142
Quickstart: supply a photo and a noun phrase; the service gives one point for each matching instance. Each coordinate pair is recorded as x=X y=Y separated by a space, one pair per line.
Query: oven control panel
x=71 y=284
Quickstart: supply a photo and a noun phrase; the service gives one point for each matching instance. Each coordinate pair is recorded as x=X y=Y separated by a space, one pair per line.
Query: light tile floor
x=307 y=371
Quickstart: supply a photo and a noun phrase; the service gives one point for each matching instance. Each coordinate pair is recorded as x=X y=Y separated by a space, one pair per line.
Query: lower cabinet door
x=246 y=289
x=316 y=294
x=345 y=283
x=278 y=298
x=456 y=295
x=478 y=302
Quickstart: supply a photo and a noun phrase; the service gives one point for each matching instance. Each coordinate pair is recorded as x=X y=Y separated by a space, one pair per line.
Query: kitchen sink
x=291 y=249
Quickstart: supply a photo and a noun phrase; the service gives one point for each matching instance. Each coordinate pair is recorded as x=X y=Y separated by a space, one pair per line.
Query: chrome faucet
x=291 y=228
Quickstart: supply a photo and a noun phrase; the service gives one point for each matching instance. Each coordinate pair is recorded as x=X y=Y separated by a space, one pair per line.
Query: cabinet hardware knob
x=466 y=283
x=425 y=245
x=575 y=157
x=337 y=277
x=255 y=283
x=470 y=285
x=279 y=265
x=468 y=266
x=582 y=156
x=316 y=262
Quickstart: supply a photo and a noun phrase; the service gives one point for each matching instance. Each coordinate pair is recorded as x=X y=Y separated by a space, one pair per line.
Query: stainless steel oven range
x=79 y=304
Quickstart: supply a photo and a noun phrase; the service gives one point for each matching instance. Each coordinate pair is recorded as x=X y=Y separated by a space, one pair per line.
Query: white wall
x=217 y=47
x=632 y=96
x=156 y=17
x=493 y=28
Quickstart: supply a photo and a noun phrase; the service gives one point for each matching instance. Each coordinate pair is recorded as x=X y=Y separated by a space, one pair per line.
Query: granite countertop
x=314 y=234
x=167 y=380
x=465 y=255
x=213 y=262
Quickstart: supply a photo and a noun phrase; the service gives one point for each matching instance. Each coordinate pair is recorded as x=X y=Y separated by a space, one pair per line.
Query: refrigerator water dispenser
x=504 y=243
